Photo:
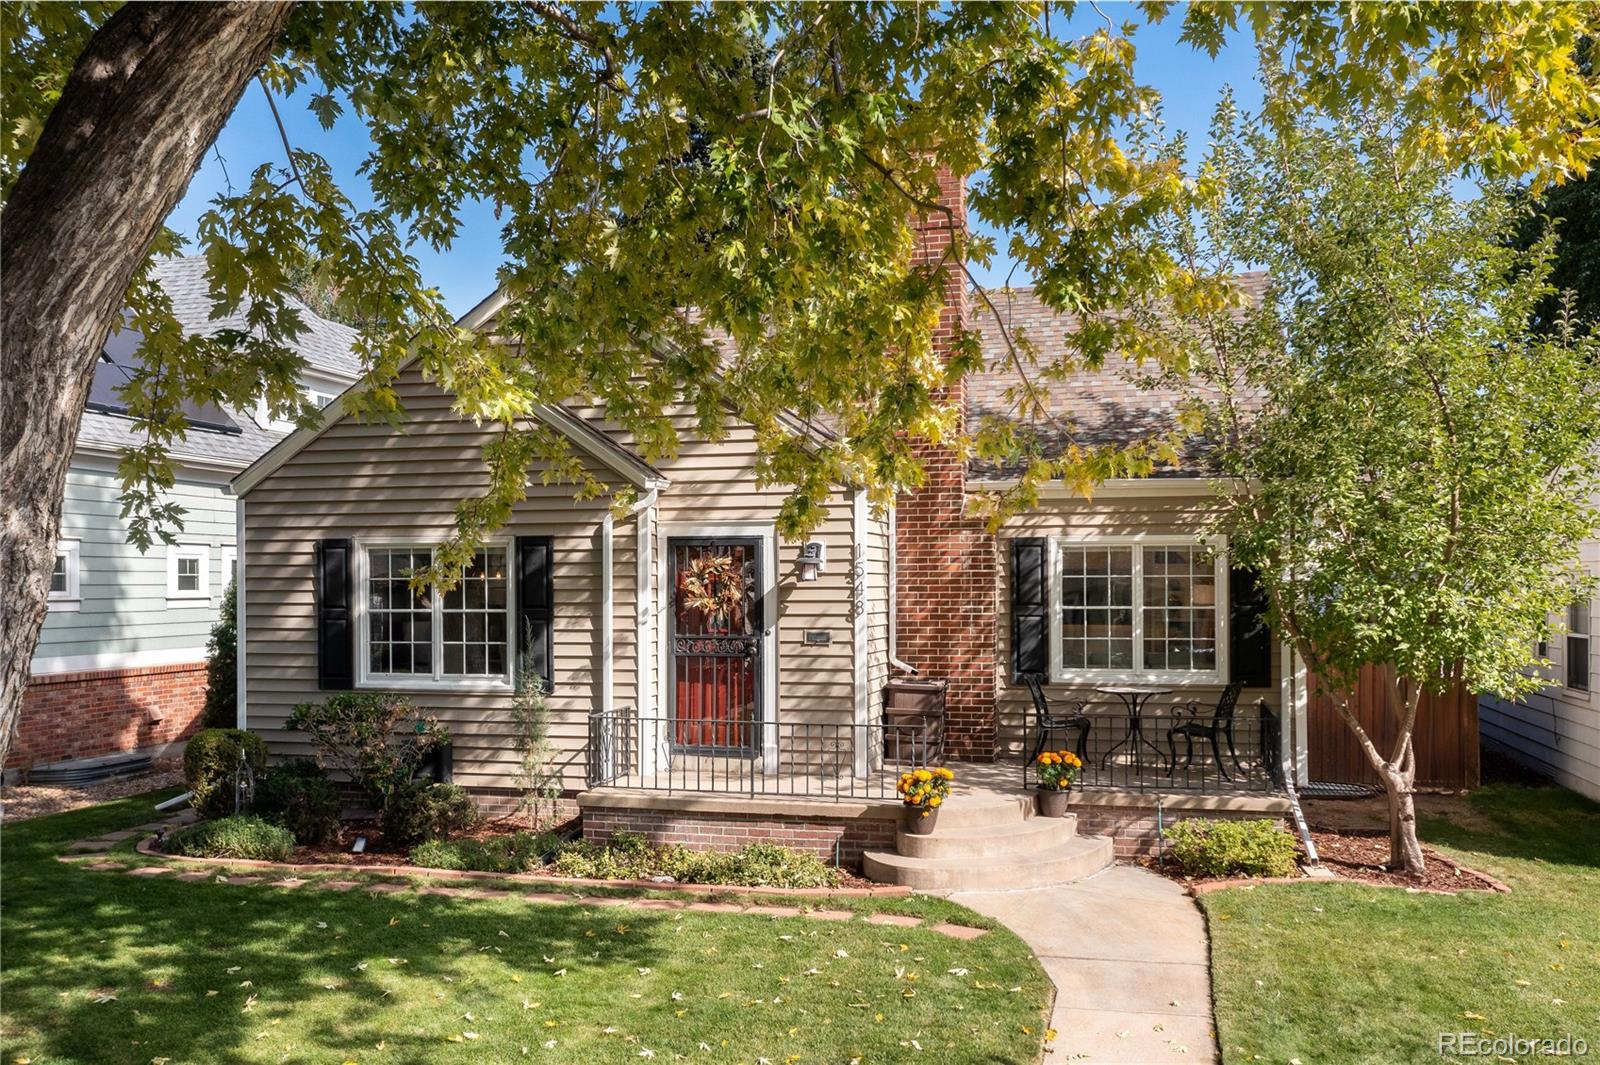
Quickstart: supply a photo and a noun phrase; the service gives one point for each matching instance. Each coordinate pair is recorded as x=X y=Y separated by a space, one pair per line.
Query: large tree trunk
x=143 y=103
x=1398 y=772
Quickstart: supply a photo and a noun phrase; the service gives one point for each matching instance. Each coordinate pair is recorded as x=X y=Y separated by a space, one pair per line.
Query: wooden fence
x=1446 y=735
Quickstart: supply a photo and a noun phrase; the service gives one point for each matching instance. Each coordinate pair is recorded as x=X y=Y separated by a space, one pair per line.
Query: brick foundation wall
x=946 y=605
x=66 y=716
x=843 y=838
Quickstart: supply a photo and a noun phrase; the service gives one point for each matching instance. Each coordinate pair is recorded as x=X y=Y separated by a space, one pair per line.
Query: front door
x=716 y=644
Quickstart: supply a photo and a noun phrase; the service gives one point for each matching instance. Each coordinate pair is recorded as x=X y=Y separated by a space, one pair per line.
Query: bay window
x=460 y=638
x=1133 y=610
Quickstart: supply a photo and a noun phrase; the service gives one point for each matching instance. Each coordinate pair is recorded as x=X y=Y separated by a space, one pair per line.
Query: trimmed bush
x=422 y=811
x=626 y=856
x=1232 y=848
x=298 y=795
x=753 y=865
x=520 y=852
x=211 y=764
x=233 y=837
x=631 y=857
x=379 y=739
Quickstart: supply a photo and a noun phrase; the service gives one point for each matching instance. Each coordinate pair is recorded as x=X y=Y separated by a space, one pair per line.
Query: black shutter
x=336 y=633
x=1249 y=637
x=536 y=606
x=1030 y=620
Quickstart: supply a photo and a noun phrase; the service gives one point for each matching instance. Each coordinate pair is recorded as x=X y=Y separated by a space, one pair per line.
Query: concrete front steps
x=988 y=841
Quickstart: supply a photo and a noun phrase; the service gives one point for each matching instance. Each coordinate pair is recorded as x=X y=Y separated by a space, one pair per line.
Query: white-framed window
x=189 y=571
x=460 y=639
x=230 y=567
x=1579 y=627
x=317 y=397
x=1137 y=610
x=65 y=577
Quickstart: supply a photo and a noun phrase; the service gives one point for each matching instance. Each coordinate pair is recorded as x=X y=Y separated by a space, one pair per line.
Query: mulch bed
x=382 y=850
x=1359 y=856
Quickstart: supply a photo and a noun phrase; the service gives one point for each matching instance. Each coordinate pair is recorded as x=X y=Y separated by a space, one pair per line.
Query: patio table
x=1134 y=696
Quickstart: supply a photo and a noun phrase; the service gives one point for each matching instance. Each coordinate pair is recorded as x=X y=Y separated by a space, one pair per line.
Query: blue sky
x=1189 y=82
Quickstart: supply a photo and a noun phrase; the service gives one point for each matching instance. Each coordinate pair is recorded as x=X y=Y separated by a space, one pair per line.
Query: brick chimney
x=946 y=565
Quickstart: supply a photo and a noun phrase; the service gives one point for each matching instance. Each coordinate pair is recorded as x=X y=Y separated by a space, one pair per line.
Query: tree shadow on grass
x=208 y=972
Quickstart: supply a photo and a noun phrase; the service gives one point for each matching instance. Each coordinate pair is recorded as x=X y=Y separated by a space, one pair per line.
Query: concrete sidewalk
x=1127 y=951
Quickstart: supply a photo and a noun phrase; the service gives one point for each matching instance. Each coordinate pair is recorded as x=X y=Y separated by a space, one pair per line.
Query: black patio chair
x=1046 y=722
x=1220 y=729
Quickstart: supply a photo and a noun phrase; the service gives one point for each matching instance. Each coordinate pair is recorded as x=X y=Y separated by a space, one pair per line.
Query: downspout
x=608 y=619
x=643 y=512
x=240 y=687
x=894 y=612
x=607 y=638
x=861 y=597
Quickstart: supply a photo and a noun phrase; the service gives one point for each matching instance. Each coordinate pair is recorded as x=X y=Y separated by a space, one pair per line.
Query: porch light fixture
x=813 y=559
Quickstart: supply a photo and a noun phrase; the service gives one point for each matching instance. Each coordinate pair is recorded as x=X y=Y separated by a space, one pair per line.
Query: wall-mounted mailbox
x=818 y=637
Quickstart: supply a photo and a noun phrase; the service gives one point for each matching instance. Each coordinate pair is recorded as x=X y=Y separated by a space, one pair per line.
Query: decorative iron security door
x=716 y=645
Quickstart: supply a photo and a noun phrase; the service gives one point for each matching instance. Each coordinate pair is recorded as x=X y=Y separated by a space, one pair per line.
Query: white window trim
x=70 y=599
x=1061 y=675
x=365 y=679
x=196 y=551
x=229 y=570
x=1569 y=652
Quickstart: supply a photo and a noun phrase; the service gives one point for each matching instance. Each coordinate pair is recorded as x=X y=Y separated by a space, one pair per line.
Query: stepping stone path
x=543 y=896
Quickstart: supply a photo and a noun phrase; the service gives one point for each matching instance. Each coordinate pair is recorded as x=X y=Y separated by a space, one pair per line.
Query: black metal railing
x=1170 y=748
x=772 y=759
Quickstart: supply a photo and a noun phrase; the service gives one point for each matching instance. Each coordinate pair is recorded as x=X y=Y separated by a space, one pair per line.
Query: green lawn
x=106 y=967
x=1342 y=973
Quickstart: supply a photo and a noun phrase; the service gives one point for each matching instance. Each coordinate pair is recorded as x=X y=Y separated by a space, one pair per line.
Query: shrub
x=211 y=765
x=519 y=852
x=298 y=795
x=626 y=856
x=753 y=865
x=233 y=837
x=377 y=738
x=1232 y=848
x=222 y=665
x=425 y=811
x=631 y=857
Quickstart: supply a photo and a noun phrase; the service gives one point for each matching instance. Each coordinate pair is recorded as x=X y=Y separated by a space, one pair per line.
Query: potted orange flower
x=923 y=791
x=1056 y=771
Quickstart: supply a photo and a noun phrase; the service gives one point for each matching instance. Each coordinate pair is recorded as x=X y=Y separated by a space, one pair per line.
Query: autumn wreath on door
x=714 y=584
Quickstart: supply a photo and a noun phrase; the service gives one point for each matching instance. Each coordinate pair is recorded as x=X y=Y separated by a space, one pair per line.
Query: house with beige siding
x=882 y=641
x=333 y=519
x=1557 y=730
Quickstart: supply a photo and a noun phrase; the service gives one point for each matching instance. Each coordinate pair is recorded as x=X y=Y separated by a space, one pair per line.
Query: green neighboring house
x=120 y=665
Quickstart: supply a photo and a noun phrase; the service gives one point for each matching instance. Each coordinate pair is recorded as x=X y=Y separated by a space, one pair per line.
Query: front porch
x=1161 y=751
x=798 y=784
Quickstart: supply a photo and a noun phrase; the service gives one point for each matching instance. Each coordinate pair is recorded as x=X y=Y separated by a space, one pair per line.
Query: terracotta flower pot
x=917 y=824
x=1053 y=803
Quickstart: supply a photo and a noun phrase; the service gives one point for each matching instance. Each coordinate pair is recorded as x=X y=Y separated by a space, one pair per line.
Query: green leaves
x=1408 y=465
x=707 y=212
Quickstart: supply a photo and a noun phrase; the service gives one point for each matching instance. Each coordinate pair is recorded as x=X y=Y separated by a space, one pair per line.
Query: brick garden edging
x=91 y=854
x=1206 y=887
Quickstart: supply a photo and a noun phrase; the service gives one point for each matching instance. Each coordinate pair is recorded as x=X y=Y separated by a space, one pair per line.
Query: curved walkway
x=1127 y=949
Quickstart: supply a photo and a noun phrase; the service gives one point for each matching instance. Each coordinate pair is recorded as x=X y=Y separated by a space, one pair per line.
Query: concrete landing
x=1127 y=950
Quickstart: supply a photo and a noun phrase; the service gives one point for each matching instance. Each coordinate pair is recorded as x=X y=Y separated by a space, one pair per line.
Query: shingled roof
x=327 y=346
x=1099 y=408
